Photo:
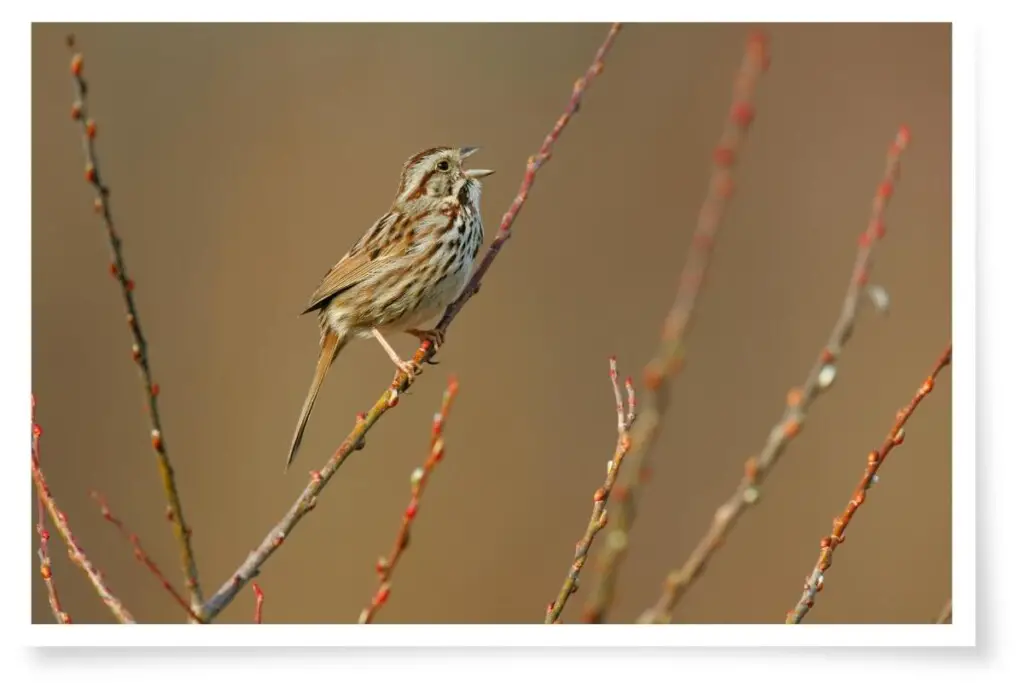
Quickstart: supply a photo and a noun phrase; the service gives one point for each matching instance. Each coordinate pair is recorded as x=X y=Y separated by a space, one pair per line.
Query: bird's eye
x=443 y=165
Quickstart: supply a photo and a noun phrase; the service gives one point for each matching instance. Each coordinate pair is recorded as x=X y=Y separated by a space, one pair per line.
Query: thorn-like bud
x=879 y=297
x=827 y=375
x=417 y=477
x=382 y=595
x=742 y=114
x=751 y=494
x=77 y=62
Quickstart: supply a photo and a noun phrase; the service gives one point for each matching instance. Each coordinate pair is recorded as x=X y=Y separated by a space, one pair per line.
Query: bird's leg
x=434 y=336
x=408 y=367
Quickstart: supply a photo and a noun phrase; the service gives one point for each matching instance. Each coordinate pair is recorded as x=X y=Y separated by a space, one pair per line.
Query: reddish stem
x=669 y=357
x=815 y=583
x=258 y=617
x=420 y=476
x=60 y=521
x=599 y=513
x=798 y=403
x=45 y=568
x=143 y=557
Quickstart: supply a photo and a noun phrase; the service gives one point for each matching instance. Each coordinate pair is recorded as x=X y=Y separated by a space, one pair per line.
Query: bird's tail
x=329 y=349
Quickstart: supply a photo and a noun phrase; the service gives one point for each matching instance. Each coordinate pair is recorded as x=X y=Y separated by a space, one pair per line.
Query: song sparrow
x=406 y=269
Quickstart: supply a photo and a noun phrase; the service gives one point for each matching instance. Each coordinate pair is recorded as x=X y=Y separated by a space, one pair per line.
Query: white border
x=14 y=410
x=506 y=635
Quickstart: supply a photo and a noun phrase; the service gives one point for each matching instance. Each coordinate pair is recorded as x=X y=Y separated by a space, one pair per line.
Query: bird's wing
x=375 y=249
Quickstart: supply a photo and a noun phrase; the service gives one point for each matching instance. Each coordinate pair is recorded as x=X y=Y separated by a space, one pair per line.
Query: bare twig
x=258 y=592
x=45 y=569
x=668 y=359
x=389 y=399
x=798 y=403
x=946 y=615
x=142 y=556
x=420 y=476
x=140 y=353
x=599 y=514
x=60 y=521
x=815 y=583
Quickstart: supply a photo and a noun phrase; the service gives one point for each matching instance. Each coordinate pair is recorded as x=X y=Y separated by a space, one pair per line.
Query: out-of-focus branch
x=420 y=476
x=389 y=399
x=815 y=583
x=60 y=521
x=258 y=592
x=668 y=359
x=143 y=557
x=599 y=514
x=946 y=615
x=45 y=569
x=140 y=352
x=798 y=403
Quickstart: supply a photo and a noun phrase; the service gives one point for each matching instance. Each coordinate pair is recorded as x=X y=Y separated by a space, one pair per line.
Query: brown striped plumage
x=404 y=271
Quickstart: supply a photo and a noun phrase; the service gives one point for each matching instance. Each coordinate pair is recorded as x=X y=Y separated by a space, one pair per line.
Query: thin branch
x=946 y=615
x=389 y=399
x=258 y=592
x=60 y=521
x=420 y=476
x=45 y=569
x=599 y=514
x=140 y=352
x=815 y=583
x=798 y=403
x=142 y=556
x=668 y=359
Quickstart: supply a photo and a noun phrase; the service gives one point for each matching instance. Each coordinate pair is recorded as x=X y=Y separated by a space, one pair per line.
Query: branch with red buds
x=798 y=403
x=142 y=556
x=45 y=569
x=389 y=399
x=815 y=583
x=75 y=551
x=669 y=357
x=599 y=515
x=140 y=350
x=418 y=481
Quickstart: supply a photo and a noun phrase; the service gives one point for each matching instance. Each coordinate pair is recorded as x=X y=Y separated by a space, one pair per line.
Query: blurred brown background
x=245 y=159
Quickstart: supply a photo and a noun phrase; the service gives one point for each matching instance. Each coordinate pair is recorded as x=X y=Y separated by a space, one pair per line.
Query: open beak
x=466 y=152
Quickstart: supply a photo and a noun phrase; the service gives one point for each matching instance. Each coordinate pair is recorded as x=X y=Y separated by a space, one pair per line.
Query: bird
x=405 y=269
